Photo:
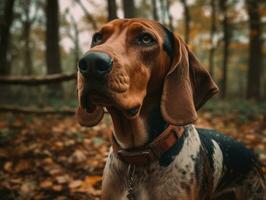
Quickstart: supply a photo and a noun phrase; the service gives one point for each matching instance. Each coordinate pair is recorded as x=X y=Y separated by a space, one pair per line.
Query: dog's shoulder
x=237 y=160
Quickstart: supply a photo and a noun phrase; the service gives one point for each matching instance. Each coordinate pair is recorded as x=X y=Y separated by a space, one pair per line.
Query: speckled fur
x=193 y=174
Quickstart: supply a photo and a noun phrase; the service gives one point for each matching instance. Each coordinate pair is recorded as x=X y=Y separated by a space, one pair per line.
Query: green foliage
x=243 y=109
x=77 y=136
x=200 y=14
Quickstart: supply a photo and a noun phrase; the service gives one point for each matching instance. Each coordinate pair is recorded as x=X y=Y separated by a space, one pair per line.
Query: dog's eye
x=146 y=39
x=97 y=38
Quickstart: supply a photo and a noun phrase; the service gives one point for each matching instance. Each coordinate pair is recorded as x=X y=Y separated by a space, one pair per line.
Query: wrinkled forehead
x=164 y=36
x=120 y=25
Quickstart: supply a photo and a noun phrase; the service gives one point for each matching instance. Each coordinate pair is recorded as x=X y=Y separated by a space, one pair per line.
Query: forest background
x=44 y=153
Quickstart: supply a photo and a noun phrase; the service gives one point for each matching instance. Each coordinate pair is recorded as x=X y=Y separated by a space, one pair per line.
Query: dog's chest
x=177 y=180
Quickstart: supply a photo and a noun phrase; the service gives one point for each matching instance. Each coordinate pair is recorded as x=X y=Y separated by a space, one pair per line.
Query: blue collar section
x=170 y=155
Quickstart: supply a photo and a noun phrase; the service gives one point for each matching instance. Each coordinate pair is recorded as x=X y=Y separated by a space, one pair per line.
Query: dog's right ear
x=89 y=117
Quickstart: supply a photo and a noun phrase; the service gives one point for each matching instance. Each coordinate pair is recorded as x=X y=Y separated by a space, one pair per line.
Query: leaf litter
x=52 y=157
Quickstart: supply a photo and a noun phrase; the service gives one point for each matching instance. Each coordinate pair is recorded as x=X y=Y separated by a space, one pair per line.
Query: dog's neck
x=140 y=130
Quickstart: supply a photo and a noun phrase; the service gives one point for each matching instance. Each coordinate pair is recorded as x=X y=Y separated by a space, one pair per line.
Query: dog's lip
x=92 y=97
x=132 y=112
x=129 y=113
x=86 y=103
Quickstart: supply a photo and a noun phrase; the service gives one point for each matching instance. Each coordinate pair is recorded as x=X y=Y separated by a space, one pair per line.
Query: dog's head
x=131 y=60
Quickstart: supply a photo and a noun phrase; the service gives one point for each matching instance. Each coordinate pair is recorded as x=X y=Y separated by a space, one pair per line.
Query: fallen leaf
x=55 y=171
x=3 y=153
x=8 y=166
x=57 y=188
x=62 y=179
x=250 y=137
x=91 y=180
x=28 y=187
x=78 y=156
x=46 y=184
x=22 y=165
x=75 y=184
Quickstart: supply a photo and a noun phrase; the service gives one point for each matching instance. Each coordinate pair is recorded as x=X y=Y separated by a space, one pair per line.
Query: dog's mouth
x=91 y=99
x=132 y=112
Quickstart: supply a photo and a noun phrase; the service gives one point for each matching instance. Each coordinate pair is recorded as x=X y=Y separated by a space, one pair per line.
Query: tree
x=165 y=16
x=187 y=20
x=53 y=61
x=111 y=7
x=255 y=50
x=5 y=25
x=27 y=22
x=74 y=37
x=170 y=18
x=129 y=8
x=88 y=16
x=212 y=33
x=163 y=12
x=154 y=10
x=226 y=43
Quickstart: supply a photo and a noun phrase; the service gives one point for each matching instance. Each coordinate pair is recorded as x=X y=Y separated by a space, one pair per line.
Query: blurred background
x=44 y=153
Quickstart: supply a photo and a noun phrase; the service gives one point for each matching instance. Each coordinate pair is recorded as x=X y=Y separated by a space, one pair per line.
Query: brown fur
x=145 y=78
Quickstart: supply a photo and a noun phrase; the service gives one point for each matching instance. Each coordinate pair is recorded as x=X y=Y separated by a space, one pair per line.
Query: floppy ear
x=92 y=114
x=187 y=86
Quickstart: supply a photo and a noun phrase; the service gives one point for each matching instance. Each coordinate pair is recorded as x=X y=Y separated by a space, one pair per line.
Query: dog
x=152 y=85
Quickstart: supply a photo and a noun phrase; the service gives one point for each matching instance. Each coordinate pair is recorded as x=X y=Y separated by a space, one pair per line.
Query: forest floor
x=52 y=157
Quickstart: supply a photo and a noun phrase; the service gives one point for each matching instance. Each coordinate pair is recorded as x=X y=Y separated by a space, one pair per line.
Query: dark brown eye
x=97 y=38
x=146 y=39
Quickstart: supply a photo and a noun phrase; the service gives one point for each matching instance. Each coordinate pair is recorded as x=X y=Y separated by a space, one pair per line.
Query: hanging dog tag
x=131 y=173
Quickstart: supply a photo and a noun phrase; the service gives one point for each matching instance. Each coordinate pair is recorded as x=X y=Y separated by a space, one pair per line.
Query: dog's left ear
x=187 y=85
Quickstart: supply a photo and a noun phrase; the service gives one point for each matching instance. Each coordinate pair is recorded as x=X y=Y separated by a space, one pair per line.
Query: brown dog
x=152 y=85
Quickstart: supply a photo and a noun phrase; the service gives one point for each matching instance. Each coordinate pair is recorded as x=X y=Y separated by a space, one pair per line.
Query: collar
x=147 y=154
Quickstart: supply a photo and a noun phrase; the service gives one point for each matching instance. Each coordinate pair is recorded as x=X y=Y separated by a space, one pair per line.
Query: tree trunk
x=212 y=33
x=26 y=23
x=163 y=12
x=255 y=50
x=52 y=43
x=170 y=18
x=226 y=42
x=129 y=9
x=27 y=49
x=5 y=26
x=154 y=10
x=111 y=4
x=187 y=20
x=75 y=41
x=89 y=17
x=76 y=46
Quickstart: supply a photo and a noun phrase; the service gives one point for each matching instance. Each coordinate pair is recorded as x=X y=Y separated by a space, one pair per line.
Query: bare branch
x=37 y=80
x=38 y=111
x=31 y=110
x=88 y=15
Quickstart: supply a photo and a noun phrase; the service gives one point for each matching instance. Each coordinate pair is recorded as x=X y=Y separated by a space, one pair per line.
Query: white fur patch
x=217 y=158
x=189 y=152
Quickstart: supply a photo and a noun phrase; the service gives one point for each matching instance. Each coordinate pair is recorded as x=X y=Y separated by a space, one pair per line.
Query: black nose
x=98 y=63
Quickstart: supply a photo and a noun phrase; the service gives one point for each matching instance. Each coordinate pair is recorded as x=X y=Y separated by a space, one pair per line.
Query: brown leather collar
x=153 y=151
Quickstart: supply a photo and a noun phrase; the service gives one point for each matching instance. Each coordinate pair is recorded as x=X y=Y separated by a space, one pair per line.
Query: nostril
x=104 y=67
x=83 y=67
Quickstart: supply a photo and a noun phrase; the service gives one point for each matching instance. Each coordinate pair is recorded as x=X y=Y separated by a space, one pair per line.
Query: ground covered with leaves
x=52 y=157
